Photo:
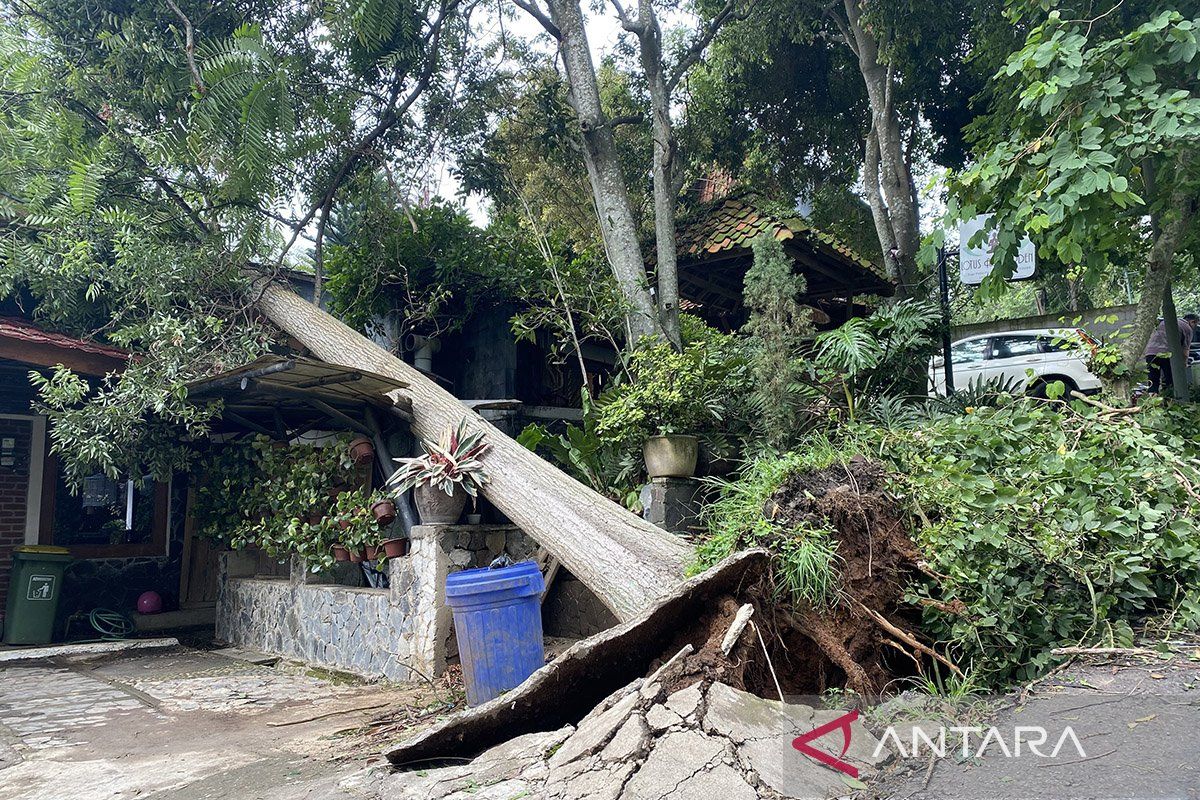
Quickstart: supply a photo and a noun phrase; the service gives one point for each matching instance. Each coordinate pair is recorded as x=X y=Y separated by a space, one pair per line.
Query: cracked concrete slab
x=675 y=758
x=700 y=742
x=741 y=716
x=631 y=741
x=722 y=782
x=594 y=733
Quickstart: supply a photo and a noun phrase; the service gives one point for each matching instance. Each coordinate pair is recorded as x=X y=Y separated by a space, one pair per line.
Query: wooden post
x=625 y=560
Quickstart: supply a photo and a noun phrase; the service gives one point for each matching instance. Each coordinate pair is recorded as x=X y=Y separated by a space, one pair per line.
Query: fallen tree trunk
x=625 y=560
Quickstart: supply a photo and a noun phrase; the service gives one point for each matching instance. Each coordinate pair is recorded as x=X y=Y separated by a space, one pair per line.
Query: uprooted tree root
x=856 y=643
x=861 y=642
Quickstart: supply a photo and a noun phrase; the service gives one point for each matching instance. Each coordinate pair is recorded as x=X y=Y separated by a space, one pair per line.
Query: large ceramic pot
x=437 y=507
x=671 y=456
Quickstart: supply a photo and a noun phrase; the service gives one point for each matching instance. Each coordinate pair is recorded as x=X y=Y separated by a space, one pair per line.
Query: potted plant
x=395 y=548
x=361 y=450
x=445 y=475
x=670 y=399
x=357 y=530
x=383 y=508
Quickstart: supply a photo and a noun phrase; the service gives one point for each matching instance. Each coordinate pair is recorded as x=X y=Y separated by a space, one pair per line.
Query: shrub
x=1040 y=525
x=1049 y=525
x=688 y=392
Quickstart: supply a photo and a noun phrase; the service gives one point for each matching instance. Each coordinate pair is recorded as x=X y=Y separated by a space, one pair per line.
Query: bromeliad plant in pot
x=445 y=475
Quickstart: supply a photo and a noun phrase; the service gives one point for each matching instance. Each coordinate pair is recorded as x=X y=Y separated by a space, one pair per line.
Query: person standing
x=1158 y=352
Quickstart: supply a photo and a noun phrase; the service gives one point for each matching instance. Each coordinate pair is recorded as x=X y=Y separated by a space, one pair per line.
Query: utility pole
x=944 y=290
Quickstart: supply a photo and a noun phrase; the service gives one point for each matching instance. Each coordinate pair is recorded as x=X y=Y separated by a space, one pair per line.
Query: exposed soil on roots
x=862 y=635
x=861 y=643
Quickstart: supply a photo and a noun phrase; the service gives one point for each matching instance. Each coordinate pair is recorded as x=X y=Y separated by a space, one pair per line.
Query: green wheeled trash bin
x=33 y=592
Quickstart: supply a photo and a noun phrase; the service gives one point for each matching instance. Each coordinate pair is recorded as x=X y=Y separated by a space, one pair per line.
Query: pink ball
x=149 y=603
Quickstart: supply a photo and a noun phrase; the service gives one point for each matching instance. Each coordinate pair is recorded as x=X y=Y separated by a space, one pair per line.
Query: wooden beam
x=48 y=355
x=347 y=420
x=246 y=422
x=708 y=286
x=329 y=380
x=243 y=381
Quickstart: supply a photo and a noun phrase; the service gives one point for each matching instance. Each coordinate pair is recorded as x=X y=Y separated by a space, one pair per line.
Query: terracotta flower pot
x=384 y=511
x=370 y=552
x=357 y=556
x=340 y=553
x=438 y=508
x=671 y=456
x=362 y=450
x=395 y=548
x=343 y=524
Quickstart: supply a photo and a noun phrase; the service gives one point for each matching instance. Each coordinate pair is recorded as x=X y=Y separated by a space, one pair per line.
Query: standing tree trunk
x=1179 y=355
x=1155 y=285
x=886 y=174
x=613 y=207
x=625 y=560
x=663 y=148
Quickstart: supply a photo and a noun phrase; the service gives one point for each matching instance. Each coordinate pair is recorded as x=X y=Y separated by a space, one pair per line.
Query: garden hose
x=111 y=625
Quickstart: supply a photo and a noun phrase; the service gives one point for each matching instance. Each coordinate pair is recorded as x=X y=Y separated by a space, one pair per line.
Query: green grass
x=804 y=559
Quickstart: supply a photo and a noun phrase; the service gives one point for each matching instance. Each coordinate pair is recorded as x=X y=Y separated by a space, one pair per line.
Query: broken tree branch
x=909 y=639
x=189 y=47
x=735 y=629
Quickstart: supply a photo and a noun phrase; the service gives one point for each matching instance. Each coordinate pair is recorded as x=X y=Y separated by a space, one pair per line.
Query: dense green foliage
x=604 y=464
x=1054 y=525
x=152 y=157
x=1091 y=134
x=285 y=500
x=429 y=265
x=1045 y=524
x=779 y=327
x=693 y=391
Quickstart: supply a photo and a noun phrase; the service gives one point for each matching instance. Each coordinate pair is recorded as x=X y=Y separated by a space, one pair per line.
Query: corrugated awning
x=329 y=382
x=279 y=395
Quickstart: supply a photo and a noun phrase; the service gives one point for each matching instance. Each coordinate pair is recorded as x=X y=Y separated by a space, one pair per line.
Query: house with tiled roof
x=715 y=252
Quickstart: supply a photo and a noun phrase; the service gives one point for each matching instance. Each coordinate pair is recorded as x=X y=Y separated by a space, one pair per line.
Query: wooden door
x=198 y=570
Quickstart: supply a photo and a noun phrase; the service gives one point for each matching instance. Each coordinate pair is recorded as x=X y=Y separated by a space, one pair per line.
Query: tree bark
x=613 y=206
x=625 y=560
x=1156 y=282
x=662 y=134
x=886 y=174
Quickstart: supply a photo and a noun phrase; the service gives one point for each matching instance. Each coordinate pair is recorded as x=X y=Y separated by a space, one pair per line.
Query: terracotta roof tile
x=734 y=223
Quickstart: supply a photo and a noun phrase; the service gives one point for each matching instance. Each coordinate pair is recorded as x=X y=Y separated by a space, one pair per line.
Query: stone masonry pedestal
x=672 y=504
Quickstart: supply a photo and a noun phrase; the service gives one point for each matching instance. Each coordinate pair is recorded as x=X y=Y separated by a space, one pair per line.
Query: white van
x=1053 y=354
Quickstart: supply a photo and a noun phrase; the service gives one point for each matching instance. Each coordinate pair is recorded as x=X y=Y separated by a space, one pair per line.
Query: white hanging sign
x=975 y=263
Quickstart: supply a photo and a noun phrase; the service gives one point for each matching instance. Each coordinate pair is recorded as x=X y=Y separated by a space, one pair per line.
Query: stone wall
x=400 y=633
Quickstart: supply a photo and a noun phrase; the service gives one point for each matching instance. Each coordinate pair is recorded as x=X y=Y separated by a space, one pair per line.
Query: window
x=105 y=518
x=1064 y=343
x=969 y=352
x=1015 y=346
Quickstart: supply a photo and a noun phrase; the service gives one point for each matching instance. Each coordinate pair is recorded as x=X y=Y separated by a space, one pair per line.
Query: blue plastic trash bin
x=498 y=623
